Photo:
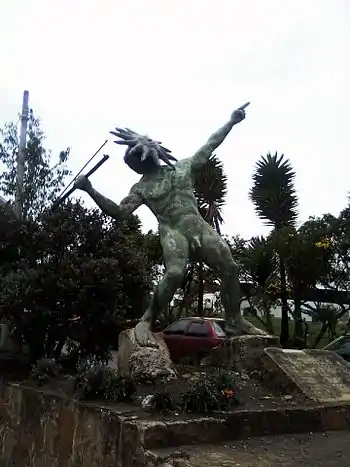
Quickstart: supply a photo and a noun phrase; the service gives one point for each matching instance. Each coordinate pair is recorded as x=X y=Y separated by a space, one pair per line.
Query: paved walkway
x=331 y=449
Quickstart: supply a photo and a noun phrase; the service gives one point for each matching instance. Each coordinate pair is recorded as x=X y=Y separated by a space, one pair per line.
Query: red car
x=193 y=337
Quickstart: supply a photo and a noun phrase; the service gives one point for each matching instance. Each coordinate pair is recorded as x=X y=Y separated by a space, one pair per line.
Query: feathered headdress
x=147 y=147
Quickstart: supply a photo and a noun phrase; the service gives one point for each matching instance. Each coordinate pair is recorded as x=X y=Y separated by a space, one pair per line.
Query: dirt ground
x=330 y=449
x=253 y=393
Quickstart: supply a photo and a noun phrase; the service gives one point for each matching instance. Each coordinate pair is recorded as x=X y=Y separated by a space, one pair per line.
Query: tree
x=326 y=314
x=73 y=263
x=257 y=270
x=43 y=179
x=274 y=197
x=331 y=234
x=306 y=258
x=210 y=188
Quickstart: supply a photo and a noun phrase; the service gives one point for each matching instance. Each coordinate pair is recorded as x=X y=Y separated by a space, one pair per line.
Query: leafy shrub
x=216 y=392
x=45 y=369
x=199 y=397
x=73 y=262
x=223 y=380
x=95 y=380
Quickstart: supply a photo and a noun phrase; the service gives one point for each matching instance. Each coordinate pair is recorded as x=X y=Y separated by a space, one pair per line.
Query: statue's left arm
x=126 y=207
x=201 y=157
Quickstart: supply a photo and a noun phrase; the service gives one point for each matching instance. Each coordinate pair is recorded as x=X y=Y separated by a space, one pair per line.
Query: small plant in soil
x=216 y=392
x=199 y=397
x=162 y=402
x=44 y=370
x=95 y=380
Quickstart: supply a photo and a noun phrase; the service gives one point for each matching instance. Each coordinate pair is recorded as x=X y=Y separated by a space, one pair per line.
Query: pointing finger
x=244 y=106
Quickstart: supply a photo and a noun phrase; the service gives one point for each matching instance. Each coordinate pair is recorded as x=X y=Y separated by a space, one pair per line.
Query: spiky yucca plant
x=262 y=264
x=210 y=188
x=275 y=201
x=273 y=192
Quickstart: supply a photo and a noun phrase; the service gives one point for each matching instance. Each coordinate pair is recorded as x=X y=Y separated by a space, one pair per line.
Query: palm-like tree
x=274 y=197
x=260 y=264
x=210 y=188
x=260 y=261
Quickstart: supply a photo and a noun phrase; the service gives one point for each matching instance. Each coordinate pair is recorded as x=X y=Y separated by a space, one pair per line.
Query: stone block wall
x=38 y=429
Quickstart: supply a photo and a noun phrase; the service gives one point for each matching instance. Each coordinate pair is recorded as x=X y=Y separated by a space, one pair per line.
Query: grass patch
x=313 y=330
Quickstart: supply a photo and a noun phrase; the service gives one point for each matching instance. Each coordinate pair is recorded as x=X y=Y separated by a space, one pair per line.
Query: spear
x=64 y=196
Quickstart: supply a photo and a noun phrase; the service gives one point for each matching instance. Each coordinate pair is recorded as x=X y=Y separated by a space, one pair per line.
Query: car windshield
x=218 y=330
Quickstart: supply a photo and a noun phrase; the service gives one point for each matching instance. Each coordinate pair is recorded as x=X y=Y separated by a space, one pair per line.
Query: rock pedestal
x=144 y=364
x=241 y=352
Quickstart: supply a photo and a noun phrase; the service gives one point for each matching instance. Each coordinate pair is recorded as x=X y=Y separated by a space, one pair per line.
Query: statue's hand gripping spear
x=65 y=194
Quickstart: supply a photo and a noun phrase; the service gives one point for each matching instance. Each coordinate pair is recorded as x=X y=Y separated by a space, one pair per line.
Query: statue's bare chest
x=165 y=183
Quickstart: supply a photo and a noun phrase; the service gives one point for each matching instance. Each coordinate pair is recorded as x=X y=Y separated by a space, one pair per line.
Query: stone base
x=45 y=428
x=144 y=364
x=241 y=352
x=320 y=375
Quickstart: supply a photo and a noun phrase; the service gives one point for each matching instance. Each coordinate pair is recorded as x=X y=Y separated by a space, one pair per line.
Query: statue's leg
x=216 y=253
x=175 y=254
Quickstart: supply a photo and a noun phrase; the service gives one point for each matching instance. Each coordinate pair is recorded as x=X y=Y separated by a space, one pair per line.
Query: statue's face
x=133 y=160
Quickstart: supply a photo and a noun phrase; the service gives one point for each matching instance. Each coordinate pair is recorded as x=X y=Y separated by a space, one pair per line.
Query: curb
x=240 y=424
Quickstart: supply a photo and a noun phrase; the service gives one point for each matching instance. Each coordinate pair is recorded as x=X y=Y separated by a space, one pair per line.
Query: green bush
x=45 y=369
x=73 y=263
x=95 y=380
x=216 y=392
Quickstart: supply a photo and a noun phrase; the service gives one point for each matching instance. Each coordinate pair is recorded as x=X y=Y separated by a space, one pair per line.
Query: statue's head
x=143 y=154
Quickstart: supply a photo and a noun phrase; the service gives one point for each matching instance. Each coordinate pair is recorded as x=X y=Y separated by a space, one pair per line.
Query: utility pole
x=21 y=156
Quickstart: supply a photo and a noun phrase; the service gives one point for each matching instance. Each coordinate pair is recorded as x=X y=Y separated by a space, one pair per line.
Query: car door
x=174 y=336
x=197 y=340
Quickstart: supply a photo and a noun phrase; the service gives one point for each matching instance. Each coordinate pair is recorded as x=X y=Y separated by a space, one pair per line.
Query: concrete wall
x=38 y=429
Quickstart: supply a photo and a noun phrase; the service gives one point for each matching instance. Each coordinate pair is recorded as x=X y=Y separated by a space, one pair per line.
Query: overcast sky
x=176 y=70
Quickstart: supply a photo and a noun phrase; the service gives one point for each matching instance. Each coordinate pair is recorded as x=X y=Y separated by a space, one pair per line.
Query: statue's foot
x=242 y=326
x=144 y=335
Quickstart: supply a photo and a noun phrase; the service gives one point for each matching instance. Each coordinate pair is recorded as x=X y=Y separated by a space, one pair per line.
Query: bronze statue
x=168 y=192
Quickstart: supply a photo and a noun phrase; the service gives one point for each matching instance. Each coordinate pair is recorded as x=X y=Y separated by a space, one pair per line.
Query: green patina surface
x=184 y=234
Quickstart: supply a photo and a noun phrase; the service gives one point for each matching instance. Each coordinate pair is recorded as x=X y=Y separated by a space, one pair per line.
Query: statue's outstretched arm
x=202 y=155
x=127 y=206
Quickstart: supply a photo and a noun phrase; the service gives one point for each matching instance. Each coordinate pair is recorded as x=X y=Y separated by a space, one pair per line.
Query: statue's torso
x=169 y=193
